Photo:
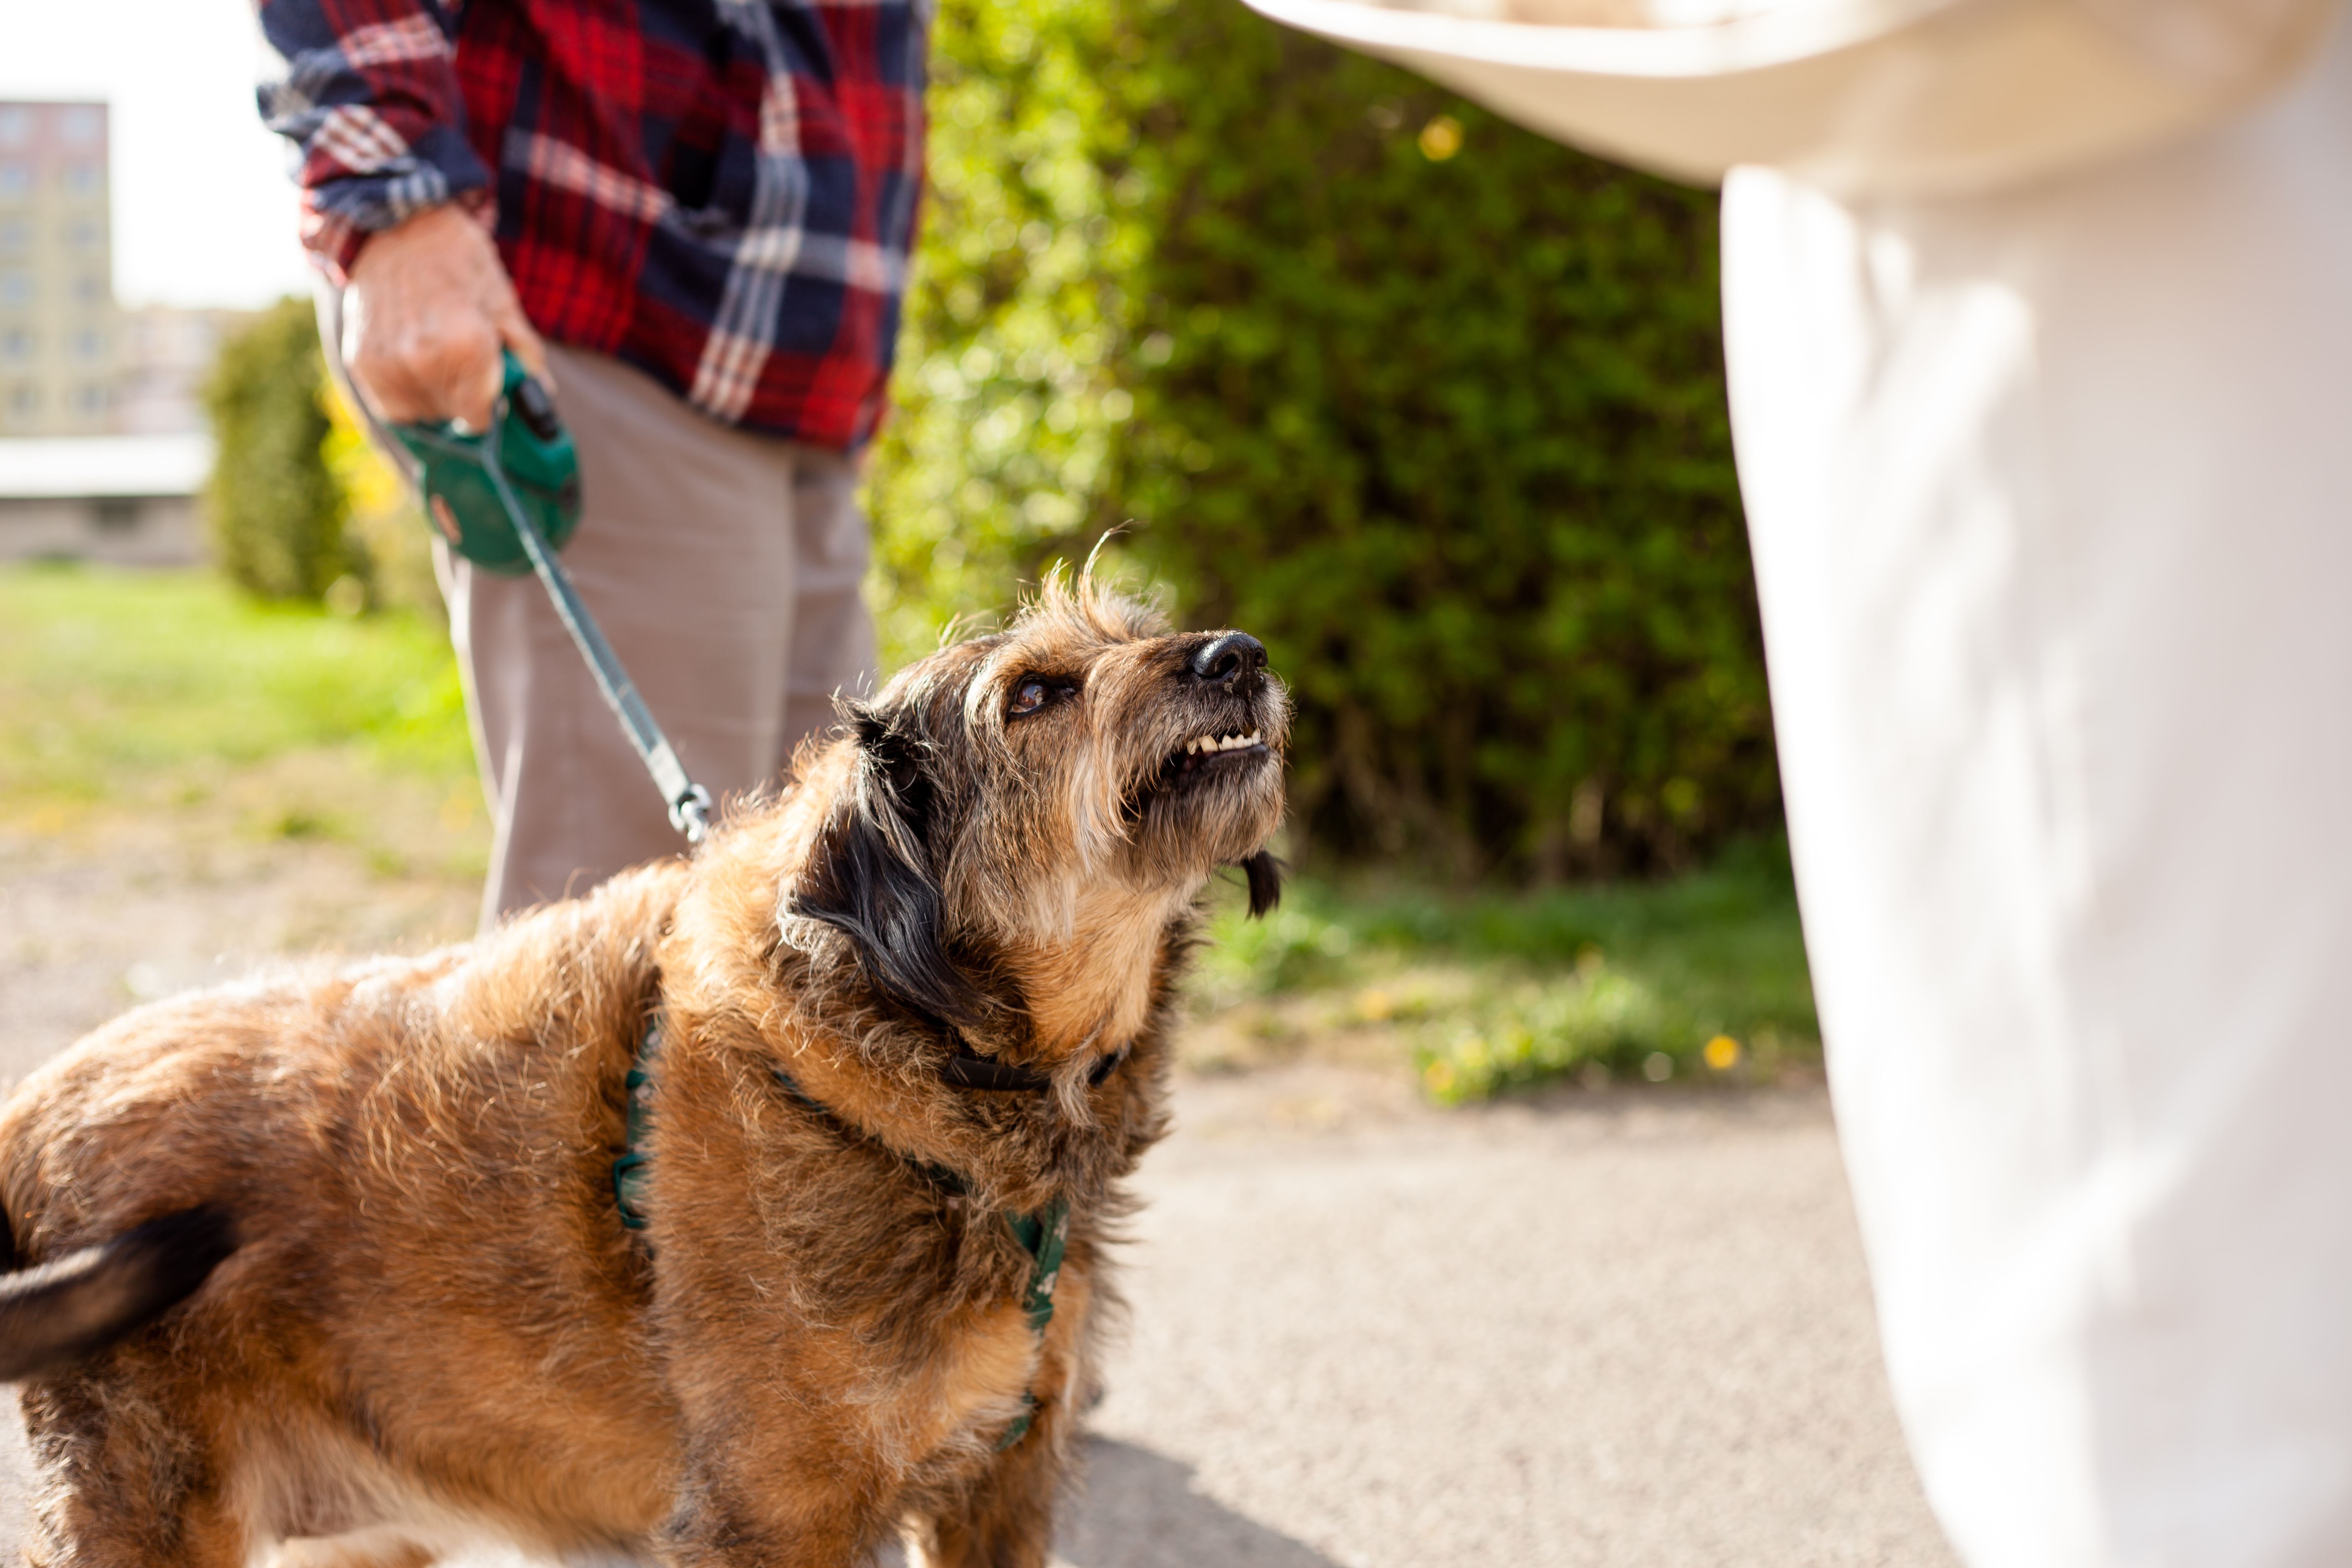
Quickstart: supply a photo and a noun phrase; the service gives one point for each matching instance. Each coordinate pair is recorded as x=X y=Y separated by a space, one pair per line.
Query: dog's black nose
x=1230 y=658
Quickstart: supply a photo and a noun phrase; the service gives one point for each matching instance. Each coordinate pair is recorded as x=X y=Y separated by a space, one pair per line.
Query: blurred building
x=103 y=443
x=167 y=354
x=60 y=338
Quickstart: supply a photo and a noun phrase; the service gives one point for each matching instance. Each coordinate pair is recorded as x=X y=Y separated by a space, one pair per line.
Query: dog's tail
x=82 y=1302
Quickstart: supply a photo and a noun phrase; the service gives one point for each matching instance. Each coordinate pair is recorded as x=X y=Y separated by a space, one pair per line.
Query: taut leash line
x=689 y=803
x=461 y=476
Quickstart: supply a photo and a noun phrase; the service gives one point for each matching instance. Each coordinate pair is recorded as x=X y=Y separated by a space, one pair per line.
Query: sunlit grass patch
x=106 y=678
x=1701 y=978
x=171 y=693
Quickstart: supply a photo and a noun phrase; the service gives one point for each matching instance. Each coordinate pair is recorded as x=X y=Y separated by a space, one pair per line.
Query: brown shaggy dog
x=339 y=1255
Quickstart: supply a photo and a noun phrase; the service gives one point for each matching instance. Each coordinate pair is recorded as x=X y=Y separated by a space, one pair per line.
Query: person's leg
x=832 y=633
x=684 y=553
x=2051 y=504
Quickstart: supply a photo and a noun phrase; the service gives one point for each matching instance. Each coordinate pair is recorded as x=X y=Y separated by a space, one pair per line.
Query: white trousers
x=2050 y=495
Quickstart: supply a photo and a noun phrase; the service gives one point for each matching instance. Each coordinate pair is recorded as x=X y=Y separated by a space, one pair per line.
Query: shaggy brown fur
x=433 y=1327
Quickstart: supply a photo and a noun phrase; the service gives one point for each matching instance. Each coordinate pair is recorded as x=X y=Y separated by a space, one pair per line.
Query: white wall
x=155 y=530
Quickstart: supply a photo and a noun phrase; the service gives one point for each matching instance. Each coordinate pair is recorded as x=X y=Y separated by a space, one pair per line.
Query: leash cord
x=689 y=803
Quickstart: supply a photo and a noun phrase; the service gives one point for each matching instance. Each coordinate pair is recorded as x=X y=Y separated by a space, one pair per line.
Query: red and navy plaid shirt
x=721 y=191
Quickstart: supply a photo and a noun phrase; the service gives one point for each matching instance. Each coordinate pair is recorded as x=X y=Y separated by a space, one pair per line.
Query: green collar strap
x=629 y=1169
x=1044 y=1234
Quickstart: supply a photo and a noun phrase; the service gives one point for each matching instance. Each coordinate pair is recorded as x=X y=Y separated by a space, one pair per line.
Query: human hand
x=427 y=310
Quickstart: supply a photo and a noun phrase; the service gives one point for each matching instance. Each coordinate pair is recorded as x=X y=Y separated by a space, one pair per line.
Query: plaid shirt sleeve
x=722 y=192
x=369 y=94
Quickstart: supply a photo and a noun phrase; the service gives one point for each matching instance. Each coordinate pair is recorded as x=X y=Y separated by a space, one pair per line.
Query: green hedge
x=1432 y=406
x=276 y=510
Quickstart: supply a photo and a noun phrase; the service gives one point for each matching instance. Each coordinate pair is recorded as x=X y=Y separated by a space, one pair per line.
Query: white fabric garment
x=1882 y=96
x=2050 y=495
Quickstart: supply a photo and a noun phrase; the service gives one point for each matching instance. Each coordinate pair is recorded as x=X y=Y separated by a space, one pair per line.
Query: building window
x=15 y=234
x=81 y=125
x=16 y=178
x=15 y=346
x=83 y=178
x=25 y=401
x=90 y=288
x=84 y=233
x=15 y=288
x=15 y=125
x=89 y=345
x=91 y=399
x=116 y=514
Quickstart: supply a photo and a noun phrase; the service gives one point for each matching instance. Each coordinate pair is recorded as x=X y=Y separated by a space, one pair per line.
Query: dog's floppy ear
x=868 y=874
x=1265 y=874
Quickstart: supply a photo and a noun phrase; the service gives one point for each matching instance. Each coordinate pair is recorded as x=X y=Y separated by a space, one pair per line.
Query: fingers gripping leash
x=507 y=500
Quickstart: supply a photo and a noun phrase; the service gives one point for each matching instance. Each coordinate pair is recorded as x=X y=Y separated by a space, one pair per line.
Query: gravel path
x=1621 y=1330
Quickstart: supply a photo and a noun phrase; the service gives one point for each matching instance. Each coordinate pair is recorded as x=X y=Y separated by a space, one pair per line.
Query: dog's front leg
x=1005 y=1517
x=796 y=1515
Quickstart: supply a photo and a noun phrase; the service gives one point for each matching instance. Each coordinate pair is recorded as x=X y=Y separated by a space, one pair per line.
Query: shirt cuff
x=336 y=228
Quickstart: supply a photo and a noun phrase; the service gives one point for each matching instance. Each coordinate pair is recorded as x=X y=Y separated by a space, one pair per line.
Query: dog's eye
x=1033 y=692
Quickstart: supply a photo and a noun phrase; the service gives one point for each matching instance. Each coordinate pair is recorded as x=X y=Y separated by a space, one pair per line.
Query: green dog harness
x=1044 y=1234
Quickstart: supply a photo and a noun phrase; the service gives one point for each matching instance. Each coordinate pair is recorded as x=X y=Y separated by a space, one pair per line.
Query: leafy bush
x=381 y=521
x=1431 y=404
x=276 y=509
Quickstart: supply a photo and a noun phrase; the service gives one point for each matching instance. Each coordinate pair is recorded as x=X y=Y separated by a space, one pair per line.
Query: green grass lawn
x=170 y=695
x=1489 y=991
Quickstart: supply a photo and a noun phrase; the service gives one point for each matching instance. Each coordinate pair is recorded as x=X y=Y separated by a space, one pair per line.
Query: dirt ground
x=1622 y=1329
x=124 y=912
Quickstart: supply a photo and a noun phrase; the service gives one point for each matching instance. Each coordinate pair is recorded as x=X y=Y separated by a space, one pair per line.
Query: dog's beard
x=1202 y=780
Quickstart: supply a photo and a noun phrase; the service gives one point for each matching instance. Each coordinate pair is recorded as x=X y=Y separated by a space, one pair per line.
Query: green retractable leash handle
x=507 y=500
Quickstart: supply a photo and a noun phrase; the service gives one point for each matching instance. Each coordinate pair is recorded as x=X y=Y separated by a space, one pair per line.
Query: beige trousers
x=725 y=569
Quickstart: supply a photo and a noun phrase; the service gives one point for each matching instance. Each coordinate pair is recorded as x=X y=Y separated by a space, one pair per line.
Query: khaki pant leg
x=686 y=555
x=832 y=633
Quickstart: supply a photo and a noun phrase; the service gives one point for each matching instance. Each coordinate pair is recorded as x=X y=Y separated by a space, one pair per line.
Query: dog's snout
x=1231 y=659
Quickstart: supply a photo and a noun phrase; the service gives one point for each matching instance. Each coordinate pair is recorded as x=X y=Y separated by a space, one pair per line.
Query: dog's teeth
x=1205 y=744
